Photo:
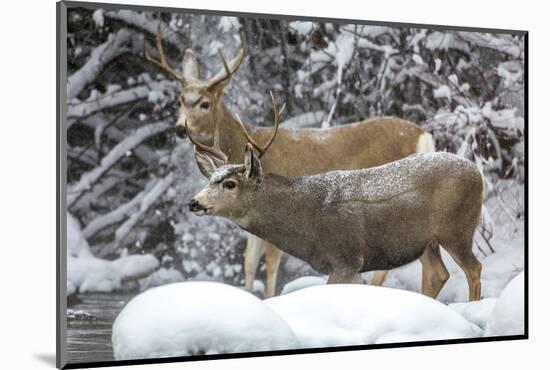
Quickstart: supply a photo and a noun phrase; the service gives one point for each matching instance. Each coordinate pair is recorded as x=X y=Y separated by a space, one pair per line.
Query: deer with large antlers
x=294 y=152
x=347 y=222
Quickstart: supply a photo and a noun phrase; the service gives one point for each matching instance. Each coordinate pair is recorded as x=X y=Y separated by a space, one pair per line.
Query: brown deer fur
x=347 y=222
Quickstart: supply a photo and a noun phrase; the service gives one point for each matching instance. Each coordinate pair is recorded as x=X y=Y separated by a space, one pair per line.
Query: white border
x=28 y=182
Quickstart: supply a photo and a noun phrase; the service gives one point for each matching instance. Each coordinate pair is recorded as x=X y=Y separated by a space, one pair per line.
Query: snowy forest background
x=129 y=177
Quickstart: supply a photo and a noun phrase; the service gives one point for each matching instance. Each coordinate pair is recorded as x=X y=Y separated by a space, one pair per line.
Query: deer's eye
x=229 y=185
x=205 y=105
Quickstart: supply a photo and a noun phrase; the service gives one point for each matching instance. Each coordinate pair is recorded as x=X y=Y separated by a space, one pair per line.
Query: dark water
x=90 y=340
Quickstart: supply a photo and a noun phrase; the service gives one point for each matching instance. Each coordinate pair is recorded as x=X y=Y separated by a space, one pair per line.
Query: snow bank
x=303 y=282
x=160 y=277
x=478 y=312
x=87 y=273
x=336 y=315
x=508 y=316
x=192 y=318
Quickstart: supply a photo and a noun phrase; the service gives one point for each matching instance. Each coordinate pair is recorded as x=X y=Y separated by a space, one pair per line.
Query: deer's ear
x=253 y=167
x=190 y=65
x=206 y=164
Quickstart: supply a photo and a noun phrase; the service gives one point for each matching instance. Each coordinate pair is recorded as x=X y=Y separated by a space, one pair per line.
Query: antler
x=215 y=149
x=162 y=63
x=277 y=115
x=236 y=64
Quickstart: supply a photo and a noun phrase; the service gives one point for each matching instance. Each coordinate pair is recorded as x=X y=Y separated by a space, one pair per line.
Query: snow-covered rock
x=87 y=273
x=336 y=315
x=303 y=282
x=508 y=317
x=193 y=318
x=477 y=312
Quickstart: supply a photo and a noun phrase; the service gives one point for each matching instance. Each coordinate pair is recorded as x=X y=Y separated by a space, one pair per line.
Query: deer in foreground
x=347 y=222
x=299 y=152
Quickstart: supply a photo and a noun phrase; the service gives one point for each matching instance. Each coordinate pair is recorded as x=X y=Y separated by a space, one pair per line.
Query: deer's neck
x=280 y=212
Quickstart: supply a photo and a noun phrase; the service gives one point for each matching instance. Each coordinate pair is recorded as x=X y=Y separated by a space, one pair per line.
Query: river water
x=89 y=340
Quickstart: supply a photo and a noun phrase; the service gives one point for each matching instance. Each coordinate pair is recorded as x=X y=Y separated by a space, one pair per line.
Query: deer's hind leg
x=434 y=272
x=461 y=252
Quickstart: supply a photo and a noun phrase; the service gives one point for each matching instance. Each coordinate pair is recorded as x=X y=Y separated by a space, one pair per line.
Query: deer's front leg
x=253 y=253
x=272 y=261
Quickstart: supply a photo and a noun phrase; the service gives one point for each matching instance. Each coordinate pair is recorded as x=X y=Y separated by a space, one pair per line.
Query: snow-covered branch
x=116 y=44
x=143 y=153
x=104 y=185
x=120 y=97
x=88 y=179
x=149 y=198
x=141 y=21
x=119 y=214
x=503 y=43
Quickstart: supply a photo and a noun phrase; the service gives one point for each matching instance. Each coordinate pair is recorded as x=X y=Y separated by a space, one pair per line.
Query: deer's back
x=391 y=212
x=299 y=152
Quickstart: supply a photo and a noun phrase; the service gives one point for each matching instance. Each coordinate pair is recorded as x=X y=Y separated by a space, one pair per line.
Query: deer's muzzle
x=196 y=207
x=181 y=132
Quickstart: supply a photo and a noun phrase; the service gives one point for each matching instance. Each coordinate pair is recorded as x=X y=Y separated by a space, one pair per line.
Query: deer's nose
x=181 y=132
x=194 y=206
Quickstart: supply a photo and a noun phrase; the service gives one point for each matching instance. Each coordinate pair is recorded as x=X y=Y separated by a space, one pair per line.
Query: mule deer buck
x=295 y=152
x=347 y=222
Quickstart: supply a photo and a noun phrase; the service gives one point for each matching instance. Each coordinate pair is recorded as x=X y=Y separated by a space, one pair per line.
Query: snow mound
x=478 y=313
x=161 y=277
x=336 y=315
x=192 y=318
x=258 y=288
x=87 y=273
x=508 y=316
x=303 y=282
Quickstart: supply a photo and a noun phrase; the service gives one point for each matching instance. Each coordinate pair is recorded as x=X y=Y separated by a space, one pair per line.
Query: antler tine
x=277 y=115
x=162 y=63
x=215 y=149
x=229 y=71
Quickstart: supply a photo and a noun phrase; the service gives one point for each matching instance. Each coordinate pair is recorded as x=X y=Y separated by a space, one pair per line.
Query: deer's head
x=231 y=189
x=200 y=100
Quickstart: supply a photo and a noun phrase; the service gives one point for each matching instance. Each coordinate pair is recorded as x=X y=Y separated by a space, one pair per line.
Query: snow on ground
x=193 y=318
x=508 y=316
x=87 y=273
x=303 y=282
x=160 y=277
x=478 y=312
x=336 y=315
